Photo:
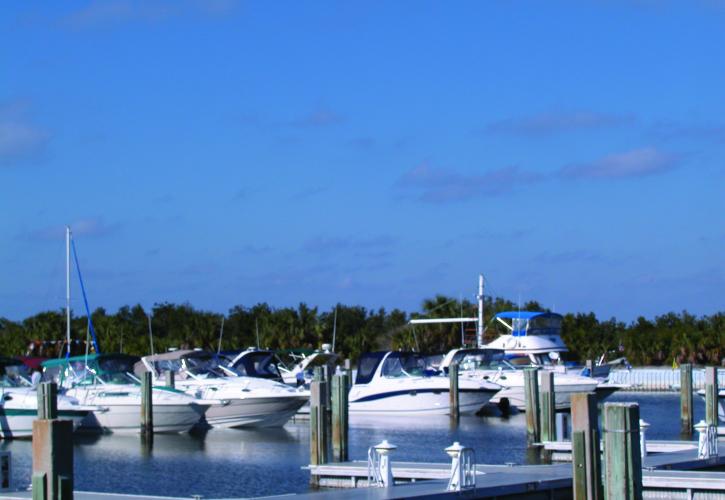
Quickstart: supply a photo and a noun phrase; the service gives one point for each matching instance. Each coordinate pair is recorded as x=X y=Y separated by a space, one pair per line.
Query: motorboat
x=107 y=381
x=19 y=402
x=247 y=401
x=297 y=370
x=492 y=365
x=398 y=383
x=720 y=402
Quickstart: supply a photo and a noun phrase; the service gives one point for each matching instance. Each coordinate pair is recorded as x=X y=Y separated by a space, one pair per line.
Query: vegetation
x=668 y=338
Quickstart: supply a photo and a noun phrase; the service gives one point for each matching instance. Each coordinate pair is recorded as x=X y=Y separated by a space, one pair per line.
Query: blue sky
x=373 y=153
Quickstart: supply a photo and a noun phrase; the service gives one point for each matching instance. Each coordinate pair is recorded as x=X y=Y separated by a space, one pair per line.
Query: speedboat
x=398 y=383
x=107 y=380
x=297 y=371
x=19 y=402
x=491 y=365
x=246 y=401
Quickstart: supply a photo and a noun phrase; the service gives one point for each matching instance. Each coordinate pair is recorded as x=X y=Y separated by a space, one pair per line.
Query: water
x=239 y=463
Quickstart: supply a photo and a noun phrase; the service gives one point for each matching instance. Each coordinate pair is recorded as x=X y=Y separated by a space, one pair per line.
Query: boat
x=19 y=402
x=398 y=383
x=720 y=402
x=248 y=401
x=107 y=381
x=297 y=370
x=492 y=365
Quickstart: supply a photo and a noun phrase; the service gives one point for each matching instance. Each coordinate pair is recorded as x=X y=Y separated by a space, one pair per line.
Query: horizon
x=223 y=153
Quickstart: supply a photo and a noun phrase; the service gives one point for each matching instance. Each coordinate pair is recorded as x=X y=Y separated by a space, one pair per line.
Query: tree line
x=672 y=337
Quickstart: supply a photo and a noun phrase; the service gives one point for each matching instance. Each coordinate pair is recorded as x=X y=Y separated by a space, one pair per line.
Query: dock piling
x=318 y=423
x=547 y=401
x=52 y=449
x=586 y=457
x=711 y=392
x=686 y=399
x=340 y=422
x=531 y=397
x=453 y=391
x=147 y=408
x=622 y=456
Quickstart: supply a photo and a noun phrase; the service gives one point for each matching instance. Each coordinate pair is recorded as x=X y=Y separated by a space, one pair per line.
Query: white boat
x=106 y=380
x=492 y=365
x=247 y=401
x=397 y=383
x=19 y=403
x=297 y=369
x=720 y=402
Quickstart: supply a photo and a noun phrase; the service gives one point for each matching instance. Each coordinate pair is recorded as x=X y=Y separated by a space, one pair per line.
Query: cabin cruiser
x=247 y=401
x=297 y=371
x=398 y=383
x=107 y=380
x=19 y=402
x=492 y=365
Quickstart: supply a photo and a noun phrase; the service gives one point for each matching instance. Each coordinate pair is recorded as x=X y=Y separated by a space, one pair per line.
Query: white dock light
x=381 y=463
x=643 y=426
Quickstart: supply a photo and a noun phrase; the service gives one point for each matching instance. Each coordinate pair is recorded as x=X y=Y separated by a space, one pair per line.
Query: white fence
x=660 y=378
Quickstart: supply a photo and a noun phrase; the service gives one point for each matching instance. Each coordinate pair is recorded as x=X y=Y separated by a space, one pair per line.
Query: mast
x=67 y=291
x=479 y=325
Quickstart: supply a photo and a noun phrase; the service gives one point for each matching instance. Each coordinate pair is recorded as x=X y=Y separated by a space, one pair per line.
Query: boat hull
x=126 y=418
x=273 y=411
x=18 y=423
x=411 y=401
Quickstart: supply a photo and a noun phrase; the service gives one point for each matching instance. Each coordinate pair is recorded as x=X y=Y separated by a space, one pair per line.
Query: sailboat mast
x=67 y=290
x=479 y=325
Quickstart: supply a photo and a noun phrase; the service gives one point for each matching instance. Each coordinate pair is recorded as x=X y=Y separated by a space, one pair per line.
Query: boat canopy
x=113 y=368
x=256 y=363
x=523 y=323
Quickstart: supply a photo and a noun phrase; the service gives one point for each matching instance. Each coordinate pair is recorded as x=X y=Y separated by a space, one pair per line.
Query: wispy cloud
x=558 y=122
x=322 y=117
x=442 y=185
x=635 y=163
x=93 y=227
x=669 y=131
x=21 y=141
x=104 y=13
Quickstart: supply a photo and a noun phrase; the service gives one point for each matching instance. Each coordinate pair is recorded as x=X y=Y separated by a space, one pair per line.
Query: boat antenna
x=67 y=291
x=334 y=330
x=479 y=325
x=221 y=332
x=256 y=328
x=151 y=335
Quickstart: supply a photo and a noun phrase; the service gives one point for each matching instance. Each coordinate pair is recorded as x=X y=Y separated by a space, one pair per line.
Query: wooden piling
x=147 y=408
x=340 y=424
x=47 y=400
x=686 y=399
x=547 y=402
x=318 y=424
x=52 y=448
x=453 y=391
x=586 y=457
x=531 y=397
x=711 y=394
x=622 y=457
x=170 y=379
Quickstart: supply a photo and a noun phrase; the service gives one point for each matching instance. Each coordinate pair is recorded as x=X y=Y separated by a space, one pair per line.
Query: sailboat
x=106 y=380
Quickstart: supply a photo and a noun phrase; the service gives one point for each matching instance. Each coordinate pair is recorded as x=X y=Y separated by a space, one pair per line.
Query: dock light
x=463 y=467
x=383 y=451
x=643 y=426
x=707 y=443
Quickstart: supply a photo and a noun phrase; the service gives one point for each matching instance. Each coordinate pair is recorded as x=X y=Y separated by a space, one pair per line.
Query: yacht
x=247 y=401
x=398 y=383
x=297 y=371
x=107 y=381
x=492 y=365
x=19 y=402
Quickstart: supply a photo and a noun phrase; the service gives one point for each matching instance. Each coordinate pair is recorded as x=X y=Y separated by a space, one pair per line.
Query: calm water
x=237 y=463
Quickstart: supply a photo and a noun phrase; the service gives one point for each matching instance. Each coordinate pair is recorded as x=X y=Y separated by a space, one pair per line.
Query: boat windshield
x=15 y=376
x=203 y=366
x=79 y=373
x=481 y=359
x=260 y=364
x=404 y=365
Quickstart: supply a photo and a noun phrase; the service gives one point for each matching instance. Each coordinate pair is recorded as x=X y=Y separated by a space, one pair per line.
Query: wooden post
x=686 y=399
x=711 y=393
x=622 y=456
x=170 y=379
x=147 y=407
x=547 y=400
x=318 y=424
x=340 y=425
x=531 y=397
x=453 y=391
x=586 y=457
x=52 y=449
x=47 y=401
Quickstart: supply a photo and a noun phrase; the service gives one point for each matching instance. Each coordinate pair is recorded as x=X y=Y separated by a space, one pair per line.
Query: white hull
x=516 y=397
x=255 y=411
x=19 y=424
x=126 y=419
